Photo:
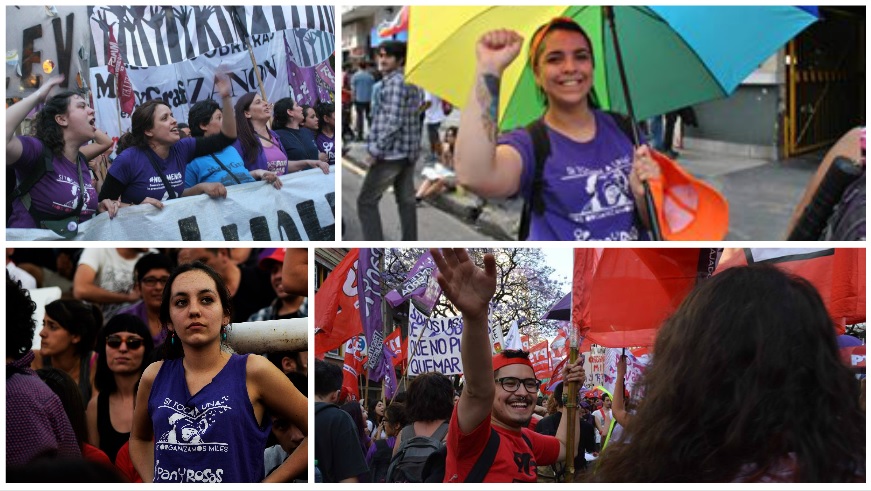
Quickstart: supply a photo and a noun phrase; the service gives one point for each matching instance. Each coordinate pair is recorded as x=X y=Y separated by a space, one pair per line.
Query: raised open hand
x=467 y=286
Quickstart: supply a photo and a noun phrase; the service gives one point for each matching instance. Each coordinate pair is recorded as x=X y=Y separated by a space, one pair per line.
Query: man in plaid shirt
x=394 y=144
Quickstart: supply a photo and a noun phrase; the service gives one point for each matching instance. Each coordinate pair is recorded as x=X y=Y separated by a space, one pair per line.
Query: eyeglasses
x=131 y=342
x=151 y=281
x=511 y=384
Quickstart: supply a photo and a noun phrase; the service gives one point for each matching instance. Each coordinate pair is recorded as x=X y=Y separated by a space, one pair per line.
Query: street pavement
x=761 y=194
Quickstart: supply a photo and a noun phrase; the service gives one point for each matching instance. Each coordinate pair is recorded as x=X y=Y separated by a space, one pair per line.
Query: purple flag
x=369 y=296
x=415 y=283
x=326 y=82
x=302 y=80
x=389 y=373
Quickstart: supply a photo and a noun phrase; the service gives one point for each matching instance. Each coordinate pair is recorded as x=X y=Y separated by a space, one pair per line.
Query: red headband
x=538 y=37
x=500 y=360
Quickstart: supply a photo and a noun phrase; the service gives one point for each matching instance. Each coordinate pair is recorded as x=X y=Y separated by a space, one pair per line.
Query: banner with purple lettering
x=416 y=282
x=433 y=344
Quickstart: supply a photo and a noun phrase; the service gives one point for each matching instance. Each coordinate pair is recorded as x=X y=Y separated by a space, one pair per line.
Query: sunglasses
x=131 y=342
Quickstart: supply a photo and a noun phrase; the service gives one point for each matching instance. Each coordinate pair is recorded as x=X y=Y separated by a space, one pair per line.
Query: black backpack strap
x=541 y=149
x=526 y=439
x=43 y=166
x=226 y=169
x=486 y=459
x=169 y=190
x=624 y=124
x=440 y=432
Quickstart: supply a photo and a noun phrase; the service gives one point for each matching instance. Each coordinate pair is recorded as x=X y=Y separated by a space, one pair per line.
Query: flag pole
x=572 y=396
x=240 y=26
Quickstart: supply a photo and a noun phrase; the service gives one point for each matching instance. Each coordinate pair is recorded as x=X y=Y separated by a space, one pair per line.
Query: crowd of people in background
x=62 y=176
x=129 y=327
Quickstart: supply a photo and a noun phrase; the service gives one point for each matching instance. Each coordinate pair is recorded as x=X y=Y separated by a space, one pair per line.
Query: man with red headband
x=500 y=392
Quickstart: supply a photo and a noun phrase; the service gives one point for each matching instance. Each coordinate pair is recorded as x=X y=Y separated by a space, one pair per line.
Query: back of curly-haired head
x=19 y=319
x=744 y=374
x=45 y=126
x=430 y=398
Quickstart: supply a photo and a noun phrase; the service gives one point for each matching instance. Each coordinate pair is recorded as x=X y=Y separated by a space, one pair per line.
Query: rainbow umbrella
x=672 y=56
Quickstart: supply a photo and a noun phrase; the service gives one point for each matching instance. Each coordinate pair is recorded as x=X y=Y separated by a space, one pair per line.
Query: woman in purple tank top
x=201 y=414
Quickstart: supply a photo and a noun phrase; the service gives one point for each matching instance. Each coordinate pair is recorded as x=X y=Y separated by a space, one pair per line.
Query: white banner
x=155 y=35
x=42 y=42
x=42 y=297
x=183 y=84
x=634 y=369
x=303 y=209
x=438 y=349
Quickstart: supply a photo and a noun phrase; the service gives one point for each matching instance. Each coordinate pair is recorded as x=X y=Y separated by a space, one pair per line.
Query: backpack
x=848 y=218
x=380 y=461
x=541 y=149
x=434 y=468
x=408 y=461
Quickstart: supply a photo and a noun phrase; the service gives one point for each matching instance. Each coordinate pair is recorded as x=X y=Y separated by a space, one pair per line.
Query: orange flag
x=622 y=297
x=337 y=315
x=838 y=274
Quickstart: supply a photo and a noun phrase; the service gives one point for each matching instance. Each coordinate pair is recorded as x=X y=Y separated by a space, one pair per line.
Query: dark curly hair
x=79 y=319
x=104 y=378
x=45 y=127
x=201 y=113
x=430 y=398
x=141 y=121
x=20 y=325
x=173 y=350
x=746 y=377
x=280 y=118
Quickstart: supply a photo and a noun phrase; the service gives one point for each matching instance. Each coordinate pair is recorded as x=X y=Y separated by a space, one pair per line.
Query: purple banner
x=369 y=296
x=416 y=282
x=302 y=80
x=326 y=82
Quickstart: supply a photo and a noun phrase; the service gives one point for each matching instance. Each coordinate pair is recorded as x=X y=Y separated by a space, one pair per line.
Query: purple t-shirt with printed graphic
x=586 y=185
x=328 y=146
x=57 y=193
x=134 y=170
x=276 y=164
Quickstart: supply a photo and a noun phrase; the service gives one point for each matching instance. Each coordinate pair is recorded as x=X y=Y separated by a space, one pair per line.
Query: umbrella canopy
x=674 y=56
x=561 y=311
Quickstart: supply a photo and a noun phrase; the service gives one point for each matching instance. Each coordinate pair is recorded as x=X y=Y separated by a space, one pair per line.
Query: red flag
x=556 y=375
x=116 y=67
x=838 y=274
x=397 y=346
x=337 y=315
x=355 y=350
x=621 y=298
x=539 y=355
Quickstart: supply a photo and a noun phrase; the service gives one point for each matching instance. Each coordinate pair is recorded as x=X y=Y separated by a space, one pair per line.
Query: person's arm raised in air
x=618 y=406
x=470 y=289
x=16 y=113
x=294 y=271
x=102 y=142
x=486 y=169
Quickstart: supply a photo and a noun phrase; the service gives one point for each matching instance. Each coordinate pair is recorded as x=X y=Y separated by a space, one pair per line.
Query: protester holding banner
x=259 y=146
x=298 y=141
x=218 y=434
x=500 y=392
x=493 y=166
x=325 y=137
x=224 y=167
x=746 y=385
x=151 y=167
x=55 y=188
x=312 y=123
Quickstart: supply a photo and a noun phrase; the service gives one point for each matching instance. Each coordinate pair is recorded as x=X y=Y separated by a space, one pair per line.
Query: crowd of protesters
x=721 y=401
x=128 y=355
x=61 y=176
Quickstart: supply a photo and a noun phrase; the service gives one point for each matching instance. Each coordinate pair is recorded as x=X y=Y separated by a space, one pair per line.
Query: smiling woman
x=152 y=158
x=204 y=409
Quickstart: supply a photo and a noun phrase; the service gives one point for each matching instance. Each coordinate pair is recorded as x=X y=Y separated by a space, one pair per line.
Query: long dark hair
x=280 y=118
x=353 y=408
x=141 y=121
x=324 y=109
x=68 y=392
x=250 y=144
x=370 y=408
x=79 y=319
x=46 y=128
x=104 y=378
x=745 y=380
x=171 y=349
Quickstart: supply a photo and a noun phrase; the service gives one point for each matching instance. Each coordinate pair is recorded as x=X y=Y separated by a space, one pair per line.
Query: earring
x=223 y=333
x=172 y=338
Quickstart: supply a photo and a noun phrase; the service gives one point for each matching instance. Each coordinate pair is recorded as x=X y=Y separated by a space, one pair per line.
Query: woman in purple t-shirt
x=325 y=137
x=62 y=127
x=592 y=182
x=202 y=414
x=259 y=146
x=151 y=166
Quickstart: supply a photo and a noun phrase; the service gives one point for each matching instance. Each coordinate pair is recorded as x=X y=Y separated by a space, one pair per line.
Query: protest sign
x=45 y=42
x=539 y=355
x=634 y=369
x=433 y=344
x=355 y=351
x=594 y=365
x=303 y=209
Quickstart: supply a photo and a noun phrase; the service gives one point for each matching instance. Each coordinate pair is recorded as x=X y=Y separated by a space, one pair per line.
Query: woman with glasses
x=123 y=348
x=150 y=275
x=298 y=141
x=203 y=413
x=151 y=166
x=67 y=341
